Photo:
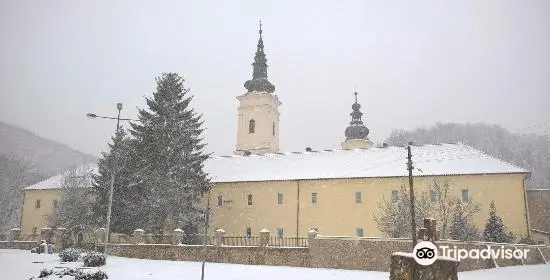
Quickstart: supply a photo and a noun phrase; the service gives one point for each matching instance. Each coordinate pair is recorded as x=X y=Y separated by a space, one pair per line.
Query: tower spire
x=356 y=128
x=259 y=80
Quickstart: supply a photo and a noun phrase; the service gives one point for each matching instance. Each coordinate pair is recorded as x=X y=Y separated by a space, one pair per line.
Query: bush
x=76 y=273
x=70 y=255
x=94 y=259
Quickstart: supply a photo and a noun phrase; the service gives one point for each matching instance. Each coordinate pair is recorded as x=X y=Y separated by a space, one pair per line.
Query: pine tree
x=495 y=230
x=125 y=215
x=170 y=157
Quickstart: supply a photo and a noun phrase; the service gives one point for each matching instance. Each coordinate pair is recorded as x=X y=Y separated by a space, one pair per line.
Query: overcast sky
x=414 y=63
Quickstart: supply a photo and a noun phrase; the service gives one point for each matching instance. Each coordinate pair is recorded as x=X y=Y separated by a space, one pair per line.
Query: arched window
x=273 y=128
x=251 y=126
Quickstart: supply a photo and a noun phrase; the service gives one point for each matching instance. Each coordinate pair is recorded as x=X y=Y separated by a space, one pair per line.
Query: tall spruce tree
x=495 y=230
x=171 y=157
x=126 y=213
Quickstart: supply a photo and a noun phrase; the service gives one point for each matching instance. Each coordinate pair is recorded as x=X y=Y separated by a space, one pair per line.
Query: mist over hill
x=25 y=159
x=529 y=151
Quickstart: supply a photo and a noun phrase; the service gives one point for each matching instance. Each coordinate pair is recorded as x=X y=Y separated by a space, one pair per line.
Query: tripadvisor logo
x=425 y=253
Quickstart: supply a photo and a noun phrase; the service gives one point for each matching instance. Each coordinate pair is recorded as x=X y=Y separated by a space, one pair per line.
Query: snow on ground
x=18 y=264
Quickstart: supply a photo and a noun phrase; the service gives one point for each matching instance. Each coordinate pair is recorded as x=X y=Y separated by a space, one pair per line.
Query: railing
x=276 y=241
x=241 y=240
x=197 y=239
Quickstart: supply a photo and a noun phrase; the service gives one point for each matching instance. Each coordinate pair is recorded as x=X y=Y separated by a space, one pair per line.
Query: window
x=273 y=128
x=249 y=199
x=433 y=196
x=251 y=126
x=279 y=198
x=394 y=196
x=357 y=197
x=37 y=203
x=55 y=203
x=280 y=232
x=248 y=232
x=314 y=198
x=359 y=232
x=220 y=200
x=465 y=196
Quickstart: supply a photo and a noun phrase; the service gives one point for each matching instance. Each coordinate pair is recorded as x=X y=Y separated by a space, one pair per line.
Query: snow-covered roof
x=55 y=182
x=428 y=160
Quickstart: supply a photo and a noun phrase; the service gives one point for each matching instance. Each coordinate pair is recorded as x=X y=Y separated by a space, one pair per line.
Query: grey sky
x=413 y=63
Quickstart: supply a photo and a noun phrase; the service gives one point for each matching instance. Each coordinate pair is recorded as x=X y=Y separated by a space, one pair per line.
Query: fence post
x=100 y=235
x=311 y=235
x=177 y=236
x=219 y=234
x=264 y=237
x=15 y=234
x=137 y=237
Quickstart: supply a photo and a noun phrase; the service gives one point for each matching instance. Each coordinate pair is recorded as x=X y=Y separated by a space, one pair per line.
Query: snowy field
x=18 y=264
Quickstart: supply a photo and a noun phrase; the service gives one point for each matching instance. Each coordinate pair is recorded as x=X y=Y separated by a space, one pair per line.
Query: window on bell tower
x=251 y=126
x=273 y=128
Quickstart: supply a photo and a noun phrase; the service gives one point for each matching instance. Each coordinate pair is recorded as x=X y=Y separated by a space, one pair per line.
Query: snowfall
x=19 y=264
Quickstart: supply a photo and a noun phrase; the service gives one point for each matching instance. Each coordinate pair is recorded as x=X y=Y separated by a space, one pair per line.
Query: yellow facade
x=337 y=212
x=34 y=218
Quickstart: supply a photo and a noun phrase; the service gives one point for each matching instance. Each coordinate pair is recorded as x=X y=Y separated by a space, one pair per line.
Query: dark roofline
x=535 y=190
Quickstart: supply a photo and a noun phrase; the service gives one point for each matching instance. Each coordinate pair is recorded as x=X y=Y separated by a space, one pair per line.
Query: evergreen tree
x=125 y=213
x=170 y=157
x=495 y=230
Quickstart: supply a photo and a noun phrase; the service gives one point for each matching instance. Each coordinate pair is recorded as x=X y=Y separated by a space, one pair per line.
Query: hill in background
x=25 y=159
x=529 y=151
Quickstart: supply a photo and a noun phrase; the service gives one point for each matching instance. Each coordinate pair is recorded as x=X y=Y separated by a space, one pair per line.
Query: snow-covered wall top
x=437 y=159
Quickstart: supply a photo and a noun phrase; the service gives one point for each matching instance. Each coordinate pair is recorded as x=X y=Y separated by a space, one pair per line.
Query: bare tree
x=75 y=206
x=395 y=217
x=447 y=206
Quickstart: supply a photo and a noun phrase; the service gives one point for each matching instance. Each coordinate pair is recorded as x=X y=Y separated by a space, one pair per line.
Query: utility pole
x=206 y=222
x=411 y=191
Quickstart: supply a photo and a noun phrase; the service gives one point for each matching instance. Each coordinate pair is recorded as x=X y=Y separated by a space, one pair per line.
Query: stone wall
x=219 y=254
x=539 y=209
x=323 y=252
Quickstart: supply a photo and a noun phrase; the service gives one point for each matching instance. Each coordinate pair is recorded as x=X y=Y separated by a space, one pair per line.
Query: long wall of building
x=348 y=206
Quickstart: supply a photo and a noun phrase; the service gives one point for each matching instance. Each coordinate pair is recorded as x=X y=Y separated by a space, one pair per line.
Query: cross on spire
x=260 y=28
x=355 y=96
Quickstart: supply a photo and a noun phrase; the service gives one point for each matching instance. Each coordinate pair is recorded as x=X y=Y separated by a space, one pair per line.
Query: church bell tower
x=258 y=112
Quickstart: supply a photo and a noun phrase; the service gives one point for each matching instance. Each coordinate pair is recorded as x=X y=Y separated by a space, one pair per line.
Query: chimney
x=308 y=149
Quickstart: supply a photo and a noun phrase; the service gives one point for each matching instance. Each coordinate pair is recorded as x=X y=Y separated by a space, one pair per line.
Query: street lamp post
x=113 y=165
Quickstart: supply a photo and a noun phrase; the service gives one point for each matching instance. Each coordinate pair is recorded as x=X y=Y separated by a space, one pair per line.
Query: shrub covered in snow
x=94 y=259
x=70 y=255
x=71 y=273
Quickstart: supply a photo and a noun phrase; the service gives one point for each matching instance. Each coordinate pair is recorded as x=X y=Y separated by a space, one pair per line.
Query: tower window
x=249 y=200
x=273 y=128
x=220 y=200
x=279 y=198
x=251 y=126
x=37 y=203
x=314 y=198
